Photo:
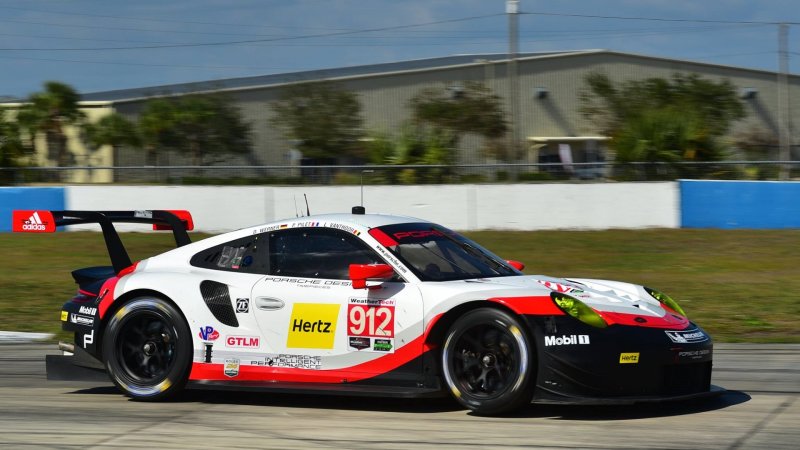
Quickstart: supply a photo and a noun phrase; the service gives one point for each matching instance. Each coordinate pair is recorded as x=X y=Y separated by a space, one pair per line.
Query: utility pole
x=784 y=134
x=512 y=9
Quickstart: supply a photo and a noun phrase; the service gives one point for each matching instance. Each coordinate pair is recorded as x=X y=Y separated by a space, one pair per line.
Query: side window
x=248 y=255
x=317 y=253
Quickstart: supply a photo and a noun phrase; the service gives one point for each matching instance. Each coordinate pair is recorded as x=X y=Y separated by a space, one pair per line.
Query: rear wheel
x=147 y=349
x=488 y=362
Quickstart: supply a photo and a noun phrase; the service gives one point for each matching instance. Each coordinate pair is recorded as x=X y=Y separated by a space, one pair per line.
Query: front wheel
x=147 y=349
x=488 y=362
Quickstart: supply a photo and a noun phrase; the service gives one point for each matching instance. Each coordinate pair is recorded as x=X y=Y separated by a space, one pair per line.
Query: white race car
x=365 y=304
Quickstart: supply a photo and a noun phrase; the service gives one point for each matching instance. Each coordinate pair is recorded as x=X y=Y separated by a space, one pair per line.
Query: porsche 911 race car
x=365 y=304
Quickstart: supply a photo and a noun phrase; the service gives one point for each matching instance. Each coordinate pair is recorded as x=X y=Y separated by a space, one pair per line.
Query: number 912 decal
x=370 y=325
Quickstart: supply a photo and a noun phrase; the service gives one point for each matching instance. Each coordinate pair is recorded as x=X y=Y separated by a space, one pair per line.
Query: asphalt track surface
x=761 y=410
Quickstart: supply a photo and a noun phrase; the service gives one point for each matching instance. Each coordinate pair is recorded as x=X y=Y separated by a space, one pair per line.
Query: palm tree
x=50 y=112
x=114 y=130
x=157 y=128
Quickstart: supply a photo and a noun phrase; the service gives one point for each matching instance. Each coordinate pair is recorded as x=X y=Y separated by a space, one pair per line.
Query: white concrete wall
x=461 y=207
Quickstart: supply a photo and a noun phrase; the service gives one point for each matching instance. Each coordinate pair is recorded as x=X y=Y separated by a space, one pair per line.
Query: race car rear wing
x=39 y=221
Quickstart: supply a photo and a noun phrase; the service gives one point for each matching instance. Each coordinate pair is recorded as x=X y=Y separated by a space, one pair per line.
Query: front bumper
x=578 y=363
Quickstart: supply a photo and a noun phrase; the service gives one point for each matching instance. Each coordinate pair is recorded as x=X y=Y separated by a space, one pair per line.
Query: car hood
x=601 y=295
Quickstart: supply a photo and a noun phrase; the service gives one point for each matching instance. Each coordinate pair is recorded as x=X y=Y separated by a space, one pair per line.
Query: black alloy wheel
x=147 y=349
x=488 y=362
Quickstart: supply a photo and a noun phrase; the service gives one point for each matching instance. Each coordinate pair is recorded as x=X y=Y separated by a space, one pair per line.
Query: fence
x=397 y=174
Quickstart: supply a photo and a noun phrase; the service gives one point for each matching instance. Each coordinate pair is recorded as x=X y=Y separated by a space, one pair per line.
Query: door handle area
x=269 y=303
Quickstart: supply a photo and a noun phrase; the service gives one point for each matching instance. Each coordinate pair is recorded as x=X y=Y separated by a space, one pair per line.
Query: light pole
x=512 y=9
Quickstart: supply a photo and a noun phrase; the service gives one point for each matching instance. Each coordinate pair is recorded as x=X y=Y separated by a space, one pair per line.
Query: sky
x=101 y=45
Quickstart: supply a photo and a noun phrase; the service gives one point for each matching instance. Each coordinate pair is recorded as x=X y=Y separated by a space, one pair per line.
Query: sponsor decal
x=371 y=318
x=208 y=351
x=359 y=343
x=558 y=287
x=290 y=361
x=64 y=316
x=388 y=256
x=231 y=368
x=243 y=305
x=88 y=339
x=581 y=339
x=382 y=345
x=242 y=341
x=694 y=354
x=33 y=221
x=312 y=325
x=687 y=336
x=87 y=310
x=404 y=235
x=145 y=214
x=81 y=320
x=208 y=333
x=282 y=226
x=310 y=282
x=629 y=358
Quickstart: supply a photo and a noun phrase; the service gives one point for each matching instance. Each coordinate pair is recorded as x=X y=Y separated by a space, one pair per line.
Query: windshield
x=435 y=253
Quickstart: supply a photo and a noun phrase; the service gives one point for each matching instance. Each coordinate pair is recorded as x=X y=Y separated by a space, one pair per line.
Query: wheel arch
x=126 y=298
x=435 y=336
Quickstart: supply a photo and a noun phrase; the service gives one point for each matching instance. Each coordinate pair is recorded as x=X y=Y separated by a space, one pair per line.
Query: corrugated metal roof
x=283 y=78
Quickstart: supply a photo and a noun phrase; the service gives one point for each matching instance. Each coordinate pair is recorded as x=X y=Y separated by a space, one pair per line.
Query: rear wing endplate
x=41 y=221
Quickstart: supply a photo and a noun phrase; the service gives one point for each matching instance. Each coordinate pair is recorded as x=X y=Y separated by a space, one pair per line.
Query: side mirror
x=360 y=273
x=516 y=264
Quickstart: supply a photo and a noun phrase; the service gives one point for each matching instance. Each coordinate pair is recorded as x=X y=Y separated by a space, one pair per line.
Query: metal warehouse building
x=549 y=98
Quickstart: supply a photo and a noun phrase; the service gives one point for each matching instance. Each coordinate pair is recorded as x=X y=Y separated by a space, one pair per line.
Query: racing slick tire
x=488 y=362
x=147 y=349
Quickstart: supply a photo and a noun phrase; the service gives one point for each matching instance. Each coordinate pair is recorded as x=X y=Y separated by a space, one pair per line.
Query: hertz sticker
x=629 y=358
x=312 y=325
x=64 y=315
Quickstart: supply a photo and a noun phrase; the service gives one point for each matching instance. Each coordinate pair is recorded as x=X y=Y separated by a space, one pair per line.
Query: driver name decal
x=312 y=325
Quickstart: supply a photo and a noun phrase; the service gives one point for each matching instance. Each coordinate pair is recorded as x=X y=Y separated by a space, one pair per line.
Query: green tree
x=50 y=112
x=473 y=109
x=114 y=130
x=716 y=104
x=204 y=127
x=414 y=145
x=156 y=128
x=322 y=117
x=662 y=120
x=11 y=147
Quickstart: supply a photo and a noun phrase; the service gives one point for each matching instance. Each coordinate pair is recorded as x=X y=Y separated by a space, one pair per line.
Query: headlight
x=578 y=310
x=666 y=300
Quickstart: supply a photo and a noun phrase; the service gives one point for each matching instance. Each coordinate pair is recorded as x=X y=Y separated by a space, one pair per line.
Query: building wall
x=385 y=98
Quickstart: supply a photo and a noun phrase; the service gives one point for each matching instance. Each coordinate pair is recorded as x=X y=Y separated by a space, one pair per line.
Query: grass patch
x=740 y=285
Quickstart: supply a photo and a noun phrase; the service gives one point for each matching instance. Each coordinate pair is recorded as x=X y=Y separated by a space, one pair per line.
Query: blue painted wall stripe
x=12 y=198
x=739 y=204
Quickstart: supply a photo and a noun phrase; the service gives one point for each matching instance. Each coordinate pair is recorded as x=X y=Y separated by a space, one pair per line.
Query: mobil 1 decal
x=370 y=325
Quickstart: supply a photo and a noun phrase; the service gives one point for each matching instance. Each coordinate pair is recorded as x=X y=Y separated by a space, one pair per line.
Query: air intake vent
x=218 y=301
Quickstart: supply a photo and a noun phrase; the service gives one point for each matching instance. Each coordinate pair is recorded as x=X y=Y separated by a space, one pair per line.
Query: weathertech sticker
x=370 y=325
x=312 y=325
x=629 y=358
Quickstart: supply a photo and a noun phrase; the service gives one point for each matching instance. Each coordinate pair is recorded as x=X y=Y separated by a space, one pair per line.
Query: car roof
x=364 y=220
